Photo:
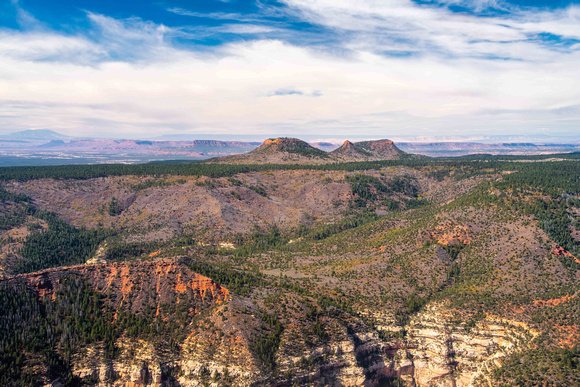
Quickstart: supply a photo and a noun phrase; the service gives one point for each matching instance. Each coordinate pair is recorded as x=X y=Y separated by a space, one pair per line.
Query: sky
x=405 y=69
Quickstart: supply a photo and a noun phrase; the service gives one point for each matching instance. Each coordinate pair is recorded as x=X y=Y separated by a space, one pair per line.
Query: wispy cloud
x=292 y=91
x=43 y=46
x=25 y=18
x=231 y=16
x=286 y=92
x=402 y=25
x=477 y=5
x=379 y=68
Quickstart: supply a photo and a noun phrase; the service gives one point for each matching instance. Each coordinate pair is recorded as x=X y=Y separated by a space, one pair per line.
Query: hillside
x=367 y=151
x=295 y=151
x=398 y=272
x=281 y=150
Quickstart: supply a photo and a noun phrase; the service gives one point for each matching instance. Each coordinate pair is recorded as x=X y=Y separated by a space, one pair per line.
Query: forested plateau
x=409 y=272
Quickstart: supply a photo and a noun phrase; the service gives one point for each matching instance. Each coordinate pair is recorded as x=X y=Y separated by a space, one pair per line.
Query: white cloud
x=562 y=22
x=25 y=18
x=127 y=78
x=215 y=15
x=243 y=29
x=375 y=25
x=38 y=46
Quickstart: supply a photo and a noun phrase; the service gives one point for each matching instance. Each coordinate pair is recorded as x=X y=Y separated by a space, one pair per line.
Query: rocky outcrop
x=442 y=350
x=332 y=362
x=135 y=286
x=346 y=149
x=450 y=234
x=280 y=151
x=294 y=151
x=201 y=360
x=435 y=348
x=215 y=334
x=438 y=346
x=367 y=151
x=559 y=251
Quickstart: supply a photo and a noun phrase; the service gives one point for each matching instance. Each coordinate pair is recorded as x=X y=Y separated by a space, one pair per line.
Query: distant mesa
x=286 y=150
x=53 y=143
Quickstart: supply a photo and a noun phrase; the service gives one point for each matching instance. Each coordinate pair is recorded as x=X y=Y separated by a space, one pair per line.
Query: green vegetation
x=6 y=196
x=60 y=245
x=266 y=345
x=324 y=231
x=17 y=208
x=152 y=183
x=367 y=189
x=47 y=333
x=259 y=190
x=534 y=367
x=458 y=167
x=295 y=146
x=215 y=170
x=113 y=207
x=237 y=281
x=119 y=251
x=345 y=270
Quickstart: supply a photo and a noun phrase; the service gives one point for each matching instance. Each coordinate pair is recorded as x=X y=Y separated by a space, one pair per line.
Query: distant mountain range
x=37 y=147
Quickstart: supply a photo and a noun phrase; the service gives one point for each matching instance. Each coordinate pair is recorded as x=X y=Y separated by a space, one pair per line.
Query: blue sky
x=329 y=68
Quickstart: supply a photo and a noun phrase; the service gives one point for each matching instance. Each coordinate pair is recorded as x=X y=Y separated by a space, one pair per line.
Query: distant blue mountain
x=36 y=134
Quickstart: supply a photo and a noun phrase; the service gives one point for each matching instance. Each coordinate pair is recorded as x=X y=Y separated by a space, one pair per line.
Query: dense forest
x=51 y=330
x=199 y=168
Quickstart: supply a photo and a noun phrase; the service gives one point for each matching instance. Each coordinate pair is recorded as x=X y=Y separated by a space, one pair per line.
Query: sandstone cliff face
x=436 y=347
x=135 y=286
x=213 y=353
x=216 y=333
x=332 y=362
x=437 y=350
x=431 y=356
x=446 y=354
x=559 y=251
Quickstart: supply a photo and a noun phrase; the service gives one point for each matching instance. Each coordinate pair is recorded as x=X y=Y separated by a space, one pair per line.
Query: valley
x=289 y=265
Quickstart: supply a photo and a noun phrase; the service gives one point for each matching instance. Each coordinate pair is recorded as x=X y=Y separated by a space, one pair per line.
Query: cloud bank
x=377 y=68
